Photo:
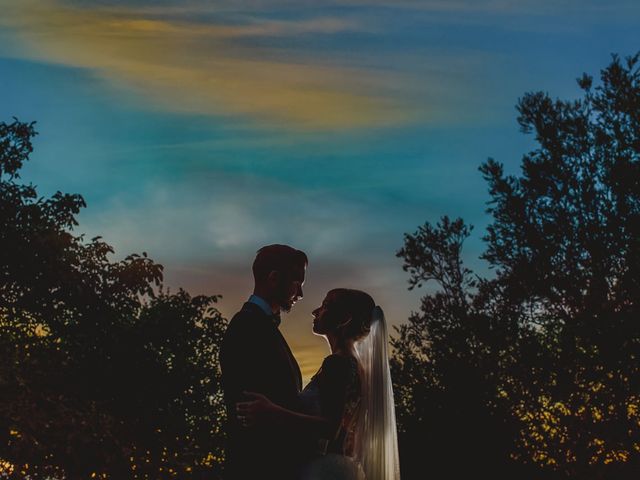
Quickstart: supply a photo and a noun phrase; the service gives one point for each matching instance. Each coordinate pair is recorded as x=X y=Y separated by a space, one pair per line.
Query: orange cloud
x=199 y=68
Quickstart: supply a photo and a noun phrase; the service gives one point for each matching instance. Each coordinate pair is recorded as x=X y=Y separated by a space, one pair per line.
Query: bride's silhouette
x=347 y=407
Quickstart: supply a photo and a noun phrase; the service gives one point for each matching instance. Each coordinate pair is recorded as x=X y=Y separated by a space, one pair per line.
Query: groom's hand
x=259 y=409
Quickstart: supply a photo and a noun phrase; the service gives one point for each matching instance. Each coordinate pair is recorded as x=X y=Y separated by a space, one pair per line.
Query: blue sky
x=199 y=131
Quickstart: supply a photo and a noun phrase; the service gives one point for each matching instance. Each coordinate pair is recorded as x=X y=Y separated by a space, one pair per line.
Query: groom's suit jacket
x=255 y=357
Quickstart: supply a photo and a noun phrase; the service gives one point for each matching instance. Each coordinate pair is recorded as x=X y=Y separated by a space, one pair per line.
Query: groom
x=255 y=357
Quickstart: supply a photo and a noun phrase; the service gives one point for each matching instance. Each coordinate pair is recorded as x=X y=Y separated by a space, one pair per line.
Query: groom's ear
x=273 y=278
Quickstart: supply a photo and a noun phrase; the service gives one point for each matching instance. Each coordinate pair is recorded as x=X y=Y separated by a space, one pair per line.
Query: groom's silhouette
x=255 y=357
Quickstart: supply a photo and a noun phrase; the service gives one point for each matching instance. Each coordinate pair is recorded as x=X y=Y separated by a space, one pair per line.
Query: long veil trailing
x=376 y=440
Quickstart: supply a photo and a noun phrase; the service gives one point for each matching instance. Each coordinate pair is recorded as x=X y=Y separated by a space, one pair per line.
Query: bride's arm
x=261 y=410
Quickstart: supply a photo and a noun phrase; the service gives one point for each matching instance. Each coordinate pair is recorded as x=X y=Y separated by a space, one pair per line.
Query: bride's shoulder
x=339 y=364
x=340 y=359
x=339 y=376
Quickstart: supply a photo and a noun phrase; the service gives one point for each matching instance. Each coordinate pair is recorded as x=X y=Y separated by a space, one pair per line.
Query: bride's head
x=344 y=313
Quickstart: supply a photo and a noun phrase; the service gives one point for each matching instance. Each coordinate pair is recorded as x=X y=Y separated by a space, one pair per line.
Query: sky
x=200 y=130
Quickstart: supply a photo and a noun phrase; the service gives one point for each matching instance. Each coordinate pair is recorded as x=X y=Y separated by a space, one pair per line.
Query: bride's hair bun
x=359 y=306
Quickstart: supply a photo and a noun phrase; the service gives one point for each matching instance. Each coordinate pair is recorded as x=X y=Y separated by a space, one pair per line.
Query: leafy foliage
x=535 y=371
x=105 y=372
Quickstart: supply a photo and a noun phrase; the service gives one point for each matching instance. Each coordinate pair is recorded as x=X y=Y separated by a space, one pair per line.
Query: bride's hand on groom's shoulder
x=257 y=410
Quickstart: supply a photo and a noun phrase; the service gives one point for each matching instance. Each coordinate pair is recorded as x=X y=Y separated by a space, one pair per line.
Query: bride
x=347 y=407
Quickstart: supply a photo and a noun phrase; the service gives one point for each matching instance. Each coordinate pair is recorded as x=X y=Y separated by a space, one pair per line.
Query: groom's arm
x=262 y=411
x=243 y=360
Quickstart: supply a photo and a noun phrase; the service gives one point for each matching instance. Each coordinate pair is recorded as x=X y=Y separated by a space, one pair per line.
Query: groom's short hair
x=279 y=258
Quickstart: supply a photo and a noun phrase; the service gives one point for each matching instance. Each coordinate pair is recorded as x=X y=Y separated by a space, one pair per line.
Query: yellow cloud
x=200 y=68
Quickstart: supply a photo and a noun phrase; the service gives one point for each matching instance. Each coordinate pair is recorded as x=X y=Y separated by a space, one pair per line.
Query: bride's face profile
x=344 y=315
x=323 y=319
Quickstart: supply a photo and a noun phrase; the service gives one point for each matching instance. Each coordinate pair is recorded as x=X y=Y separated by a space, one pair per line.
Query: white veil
x=376 y=440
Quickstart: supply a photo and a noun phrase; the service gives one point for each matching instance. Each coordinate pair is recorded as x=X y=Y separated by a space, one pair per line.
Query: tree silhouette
x=105 y=373
x=536 y=370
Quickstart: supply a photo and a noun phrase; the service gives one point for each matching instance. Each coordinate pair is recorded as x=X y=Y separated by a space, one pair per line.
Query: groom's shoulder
x=248 y=312
x=246 y=318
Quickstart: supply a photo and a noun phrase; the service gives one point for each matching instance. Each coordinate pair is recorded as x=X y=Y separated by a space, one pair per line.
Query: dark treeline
x=533 y=373
x=102 y=371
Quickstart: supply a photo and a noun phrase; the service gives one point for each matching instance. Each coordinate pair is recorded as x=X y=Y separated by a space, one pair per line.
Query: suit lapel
x=296 y=375
x=293 y=364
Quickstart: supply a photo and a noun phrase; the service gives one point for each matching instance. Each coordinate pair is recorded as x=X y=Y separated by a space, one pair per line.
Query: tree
x=447 y=363
x=548 y=350
x=105 y=372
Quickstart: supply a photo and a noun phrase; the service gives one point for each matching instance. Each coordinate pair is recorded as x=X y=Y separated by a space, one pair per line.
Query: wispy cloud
x=490 y=7
x=194 y=67
x=240 y=212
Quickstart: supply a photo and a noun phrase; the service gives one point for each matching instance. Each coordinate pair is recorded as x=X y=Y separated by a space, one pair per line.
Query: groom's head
x=279 y=272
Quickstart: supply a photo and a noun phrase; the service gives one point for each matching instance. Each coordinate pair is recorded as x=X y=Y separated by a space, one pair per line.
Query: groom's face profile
x=278 y=271
x=288 y=288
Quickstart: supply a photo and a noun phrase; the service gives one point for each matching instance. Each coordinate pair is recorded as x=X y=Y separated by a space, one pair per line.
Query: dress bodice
x=334 y=393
